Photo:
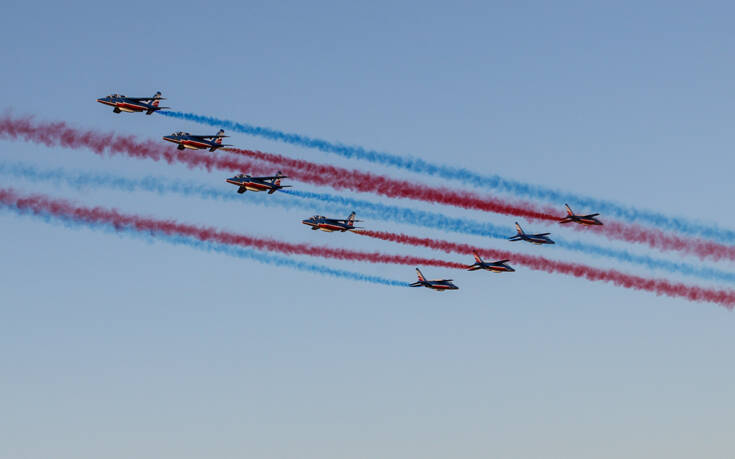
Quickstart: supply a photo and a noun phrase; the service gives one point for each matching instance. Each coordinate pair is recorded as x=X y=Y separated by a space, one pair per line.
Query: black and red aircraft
x=320 y=222
x=197 y=142
x=495 y=266
x=581 y=219
x=248 y=183
x=121 y=103
x=440 y=285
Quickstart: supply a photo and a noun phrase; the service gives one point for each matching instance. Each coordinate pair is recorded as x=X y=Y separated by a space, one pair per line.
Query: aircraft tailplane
x=421 y=276
x=518 y=228
x=351 y=219
x=477 y=257
x=569 y=210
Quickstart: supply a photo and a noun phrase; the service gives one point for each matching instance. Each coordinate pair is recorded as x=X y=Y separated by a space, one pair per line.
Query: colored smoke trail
x=724 y=298
x=657 y=239
x=239 y=252
x=468 y=176
x=59 y=134
x=58 y=207
x=44 y=207
x=159 y=185
x=342 y=178
x=340 y=204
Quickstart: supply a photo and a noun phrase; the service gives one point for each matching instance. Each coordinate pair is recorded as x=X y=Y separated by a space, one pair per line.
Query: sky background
x=116 y=347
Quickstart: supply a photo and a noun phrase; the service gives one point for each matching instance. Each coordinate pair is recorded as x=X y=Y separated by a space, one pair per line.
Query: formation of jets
x=271 y=184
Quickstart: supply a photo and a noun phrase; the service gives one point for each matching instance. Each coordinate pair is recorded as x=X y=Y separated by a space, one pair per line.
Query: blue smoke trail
x=493 y=182
x=261 y=257
x=341 y=204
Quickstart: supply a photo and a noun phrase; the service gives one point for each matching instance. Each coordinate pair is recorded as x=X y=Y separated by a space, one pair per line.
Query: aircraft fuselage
x=190 y=144
x=252 y=186
x=128 y=107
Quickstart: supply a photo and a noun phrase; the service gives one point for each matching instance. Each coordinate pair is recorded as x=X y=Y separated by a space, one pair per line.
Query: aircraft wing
x=542 y=234
x=590 y=215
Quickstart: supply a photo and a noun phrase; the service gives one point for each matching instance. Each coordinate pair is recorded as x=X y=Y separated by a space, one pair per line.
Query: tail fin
x=351 y=219
x=569 y=210
x=421 y=276
x=219 y=136
x=518 y=228
x=477 y=257
x=277 y=180
x=156 y=99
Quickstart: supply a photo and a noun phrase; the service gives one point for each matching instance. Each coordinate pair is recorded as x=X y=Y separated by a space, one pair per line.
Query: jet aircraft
x=440 y=285
x=581 y=219
x=122 y=103
x=248 y=183
x=197 y=142
x=541 y=238
x=495 y=266
x=320 y=222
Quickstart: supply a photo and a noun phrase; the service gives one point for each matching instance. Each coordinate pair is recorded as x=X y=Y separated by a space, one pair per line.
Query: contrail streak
x=724 y=298
x=59 y=134
x=469 y=176
x=335 y=204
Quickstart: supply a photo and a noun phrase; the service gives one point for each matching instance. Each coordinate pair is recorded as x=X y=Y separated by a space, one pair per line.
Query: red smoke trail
x=725 y=298
x=343 y=178
x=660 y=240
x=340 y=178
x=40 y=204
x=59 y=134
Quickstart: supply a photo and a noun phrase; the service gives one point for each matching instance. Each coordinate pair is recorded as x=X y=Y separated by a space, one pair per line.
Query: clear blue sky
x=115 y=347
